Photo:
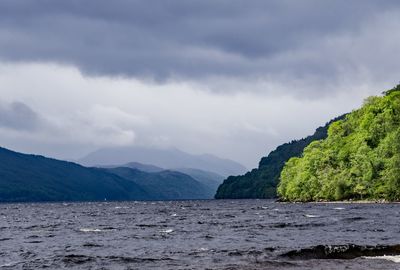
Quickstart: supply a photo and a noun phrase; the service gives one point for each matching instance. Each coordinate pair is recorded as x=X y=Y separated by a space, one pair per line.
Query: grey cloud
x=18 y=116
x=191 y=40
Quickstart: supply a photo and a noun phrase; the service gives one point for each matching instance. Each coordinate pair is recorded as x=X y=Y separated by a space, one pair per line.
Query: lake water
x=223 y=234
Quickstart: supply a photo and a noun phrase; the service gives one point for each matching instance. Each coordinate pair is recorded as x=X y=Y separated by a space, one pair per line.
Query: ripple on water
x=196 y=235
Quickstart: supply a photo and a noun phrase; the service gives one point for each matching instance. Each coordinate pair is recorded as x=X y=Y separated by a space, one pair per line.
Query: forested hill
x=262 y=182
x=32 y=178
x=360 y=159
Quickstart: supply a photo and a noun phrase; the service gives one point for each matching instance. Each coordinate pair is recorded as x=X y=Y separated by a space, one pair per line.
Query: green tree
x=359 y=159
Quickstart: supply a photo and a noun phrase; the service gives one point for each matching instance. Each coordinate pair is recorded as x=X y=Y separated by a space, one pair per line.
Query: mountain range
x=168 y=158
x=209 y=179
x=30 y=178
x=36 y=178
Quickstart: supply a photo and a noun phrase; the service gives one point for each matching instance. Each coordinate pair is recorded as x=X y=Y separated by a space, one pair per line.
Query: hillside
x=141 y=167
x=166 y=185
x=33 y=178
x=360 y=158
x=262 y=182
x=209 y=180
x=165 y=158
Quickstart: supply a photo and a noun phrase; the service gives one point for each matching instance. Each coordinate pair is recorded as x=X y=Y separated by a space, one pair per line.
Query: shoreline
x=346 y=202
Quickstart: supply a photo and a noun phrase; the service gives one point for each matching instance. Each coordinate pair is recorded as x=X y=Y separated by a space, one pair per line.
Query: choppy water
x=242 y=234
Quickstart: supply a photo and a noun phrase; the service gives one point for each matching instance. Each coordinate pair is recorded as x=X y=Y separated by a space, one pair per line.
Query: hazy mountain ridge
x=165 y=158
x=139 y=166
x=209 y=180
x=166 y=185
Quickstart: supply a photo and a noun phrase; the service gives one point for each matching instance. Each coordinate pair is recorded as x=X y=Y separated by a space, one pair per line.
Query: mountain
x=262 y=182
x=142 y=167
x=32 y=178
x=360 y=158
x=164 y=158
x=166 y=185
x=209 y=179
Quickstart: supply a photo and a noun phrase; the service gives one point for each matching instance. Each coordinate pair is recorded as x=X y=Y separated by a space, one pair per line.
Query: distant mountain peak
x=167 y=158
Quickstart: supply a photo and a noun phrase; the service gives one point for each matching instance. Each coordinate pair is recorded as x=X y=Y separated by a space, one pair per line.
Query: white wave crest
x=311 y=216
x=395 y=259
x=167 y=231
x=90 y=230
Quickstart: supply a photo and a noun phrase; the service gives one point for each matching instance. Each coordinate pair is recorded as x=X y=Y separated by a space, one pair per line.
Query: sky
x=234 y=78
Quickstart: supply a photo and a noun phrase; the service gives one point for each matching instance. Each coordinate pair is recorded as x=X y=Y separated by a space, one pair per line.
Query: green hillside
x=262 y=182
x=32 y=178
x=360 y=159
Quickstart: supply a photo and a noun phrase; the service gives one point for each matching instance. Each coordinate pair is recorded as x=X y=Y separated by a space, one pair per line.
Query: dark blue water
x=241 y=234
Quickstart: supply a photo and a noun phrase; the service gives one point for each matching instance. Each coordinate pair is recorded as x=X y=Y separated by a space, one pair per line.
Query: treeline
x=263 y=181
x=360 y=158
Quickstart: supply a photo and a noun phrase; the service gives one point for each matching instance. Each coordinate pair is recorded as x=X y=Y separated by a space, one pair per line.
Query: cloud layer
x=299 y=42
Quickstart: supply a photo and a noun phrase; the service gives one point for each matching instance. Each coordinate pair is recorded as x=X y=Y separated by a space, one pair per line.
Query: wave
x=345 y=252
x=78 y=259
x=90 y=230
x=311 y=216
x=167 y=231
x=395 y=259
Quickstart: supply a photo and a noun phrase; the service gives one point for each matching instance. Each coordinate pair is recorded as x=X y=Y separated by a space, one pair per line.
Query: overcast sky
x=231 y=78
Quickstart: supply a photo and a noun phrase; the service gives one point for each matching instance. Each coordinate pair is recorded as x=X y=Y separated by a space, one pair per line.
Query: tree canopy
x=262 y=182
x=360 y=158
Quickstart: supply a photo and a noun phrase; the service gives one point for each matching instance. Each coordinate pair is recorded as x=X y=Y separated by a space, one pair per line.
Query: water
x=241 y=234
